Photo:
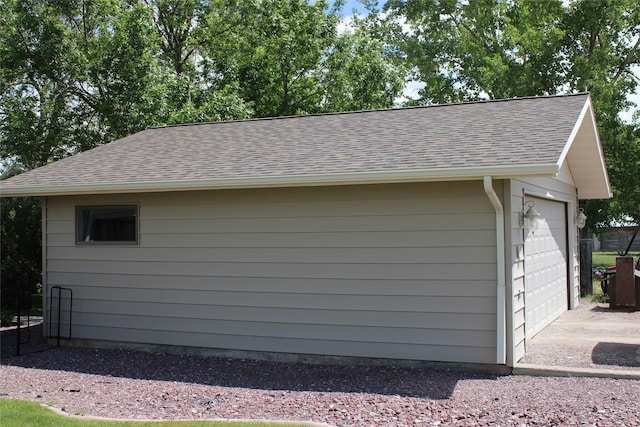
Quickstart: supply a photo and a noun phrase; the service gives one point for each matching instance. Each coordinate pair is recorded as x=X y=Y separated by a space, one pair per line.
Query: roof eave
x=354 y=178
x=583 y=151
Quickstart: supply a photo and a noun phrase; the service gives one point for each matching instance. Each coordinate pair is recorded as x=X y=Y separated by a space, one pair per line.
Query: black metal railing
x=60 y=310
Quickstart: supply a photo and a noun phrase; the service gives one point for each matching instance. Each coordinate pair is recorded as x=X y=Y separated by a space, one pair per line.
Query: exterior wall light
x=530 y=214
x=581 y=219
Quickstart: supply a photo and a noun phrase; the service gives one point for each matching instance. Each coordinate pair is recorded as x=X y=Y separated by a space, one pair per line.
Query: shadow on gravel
x=431 y=383
x=618 y=354
x=30 y=340
x=607 y=309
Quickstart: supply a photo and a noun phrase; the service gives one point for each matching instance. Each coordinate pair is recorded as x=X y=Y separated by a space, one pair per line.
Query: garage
x=390 y=234
x=546 y=266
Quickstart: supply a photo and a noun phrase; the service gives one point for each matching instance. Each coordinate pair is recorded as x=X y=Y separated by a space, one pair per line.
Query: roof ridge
x=339 y=113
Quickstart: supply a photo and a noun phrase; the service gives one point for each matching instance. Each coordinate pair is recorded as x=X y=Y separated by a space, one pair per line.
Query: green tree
x=602 y=42
x=483 y=48
x=289 y=57
x=194 y=93
x=274 y=54
x=359 y=71
x=35 y=111
x=20 y=245
x=111 y=67
x=502 y=49
x=75 y=74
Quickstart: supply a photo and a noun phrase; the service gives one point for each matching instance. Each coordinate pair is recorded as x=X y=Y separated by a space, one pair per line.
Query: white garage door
x=545 y=265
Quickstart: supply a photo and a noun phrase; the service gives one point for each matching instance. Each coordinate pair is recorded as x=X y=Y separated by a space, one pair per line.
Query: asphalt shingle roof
x=524 y=131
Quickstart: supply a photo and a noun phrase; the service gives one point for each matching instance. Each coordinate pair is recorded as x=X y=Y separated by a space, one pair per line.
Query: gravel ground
x=136 y=385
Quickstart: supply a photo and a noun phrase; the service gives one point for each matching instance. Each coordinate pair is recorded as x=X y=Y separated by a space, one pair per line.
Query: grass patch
x=18 y=413
x=597 y=296
x=602 y=260
x=606 y=259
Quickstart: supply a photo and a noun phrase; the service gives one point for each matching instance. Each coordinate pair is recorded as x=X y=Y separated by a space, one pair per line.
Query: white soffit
x=585 y=158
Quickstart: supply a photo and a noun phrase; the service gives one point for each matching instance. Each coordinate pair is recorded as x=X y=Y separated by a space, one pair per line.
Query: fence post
x=586 y=267
x=18 y=314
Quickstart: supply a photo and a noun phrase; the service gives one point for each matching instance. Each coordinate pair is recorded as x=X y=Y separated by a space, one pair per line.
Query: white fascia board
x=356 y=178
x=601 y=160
x=574 y=132
x=595 y=194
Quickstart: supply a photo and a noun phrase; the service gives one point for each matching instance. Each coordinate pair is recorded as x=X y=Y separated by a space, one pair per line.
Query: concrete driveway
x=591 y=340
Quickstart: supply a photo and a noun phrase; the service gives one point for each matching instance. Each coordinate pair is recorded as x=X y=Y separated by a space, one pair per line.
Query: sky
x=350 y=5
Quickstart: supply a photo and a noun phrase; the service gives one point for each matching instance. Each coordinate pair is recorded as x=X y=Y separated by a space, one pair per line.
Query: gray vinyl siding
x=391 y=271
x=561 y=189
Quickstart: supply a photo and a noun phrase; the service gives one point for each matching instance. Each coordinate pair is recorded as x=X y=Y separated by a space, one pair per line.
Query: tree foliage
x=78 y=73
x=603 y=41
x=20 y=244
x=288 y=58
x=501 y=49
x=360 y=71
x=275 y=54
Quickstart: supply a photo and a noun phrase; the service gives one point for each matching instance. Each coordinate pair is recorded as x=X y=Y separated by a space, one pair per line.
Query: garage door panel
x=545 y=266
